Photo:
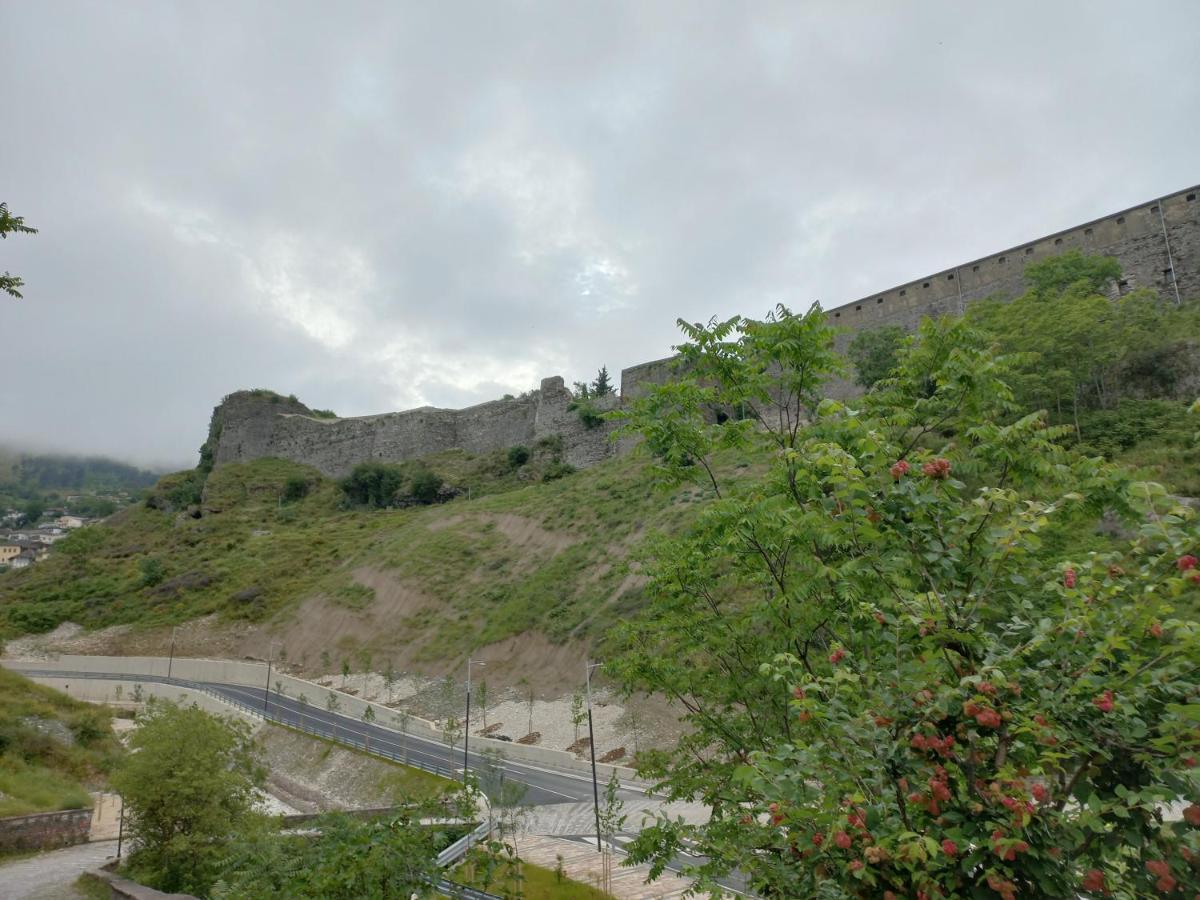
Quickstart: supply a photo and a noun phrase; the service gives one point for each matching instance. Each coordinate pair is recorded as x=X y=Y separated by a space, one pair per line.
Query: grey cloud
x=386 y=205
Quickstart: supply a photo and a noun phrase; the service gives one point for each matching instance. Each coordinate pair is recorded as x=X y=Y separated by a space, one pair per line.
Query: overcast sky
x=380 y=206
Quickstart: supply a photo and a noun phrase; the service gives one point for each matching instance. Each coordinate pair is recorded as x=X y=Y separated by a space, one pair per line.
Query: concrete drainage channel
x=447 y=858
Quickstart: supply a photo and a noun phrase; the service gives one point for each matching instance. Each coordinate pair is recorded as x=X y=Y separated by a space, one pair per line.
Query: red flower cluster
x=899 y=469
x=842 y=839
x=1162 y=870
x=1104 y=702
x=1094 y=881
x=938 y=468
x=942 y=746
x=1155 y=629
x=1186 y=562
x=837 y=656
x=1191 y=815
x=1040 y=793
x=949 y=847
x=1006 y=889
x=1069 y=578
x=988 y=718
x=1011 y=853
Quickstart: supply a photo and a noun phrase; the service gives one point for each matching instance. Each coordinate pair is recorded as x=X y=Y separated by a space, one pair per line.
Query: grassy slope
x=40 y=771
x=536 y=883
x=526 y=556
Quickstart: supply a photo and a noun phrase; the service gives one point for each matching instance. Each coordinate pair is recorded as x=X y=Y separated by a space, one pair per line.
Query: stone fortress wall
x=1157 y=244
x=253 y=424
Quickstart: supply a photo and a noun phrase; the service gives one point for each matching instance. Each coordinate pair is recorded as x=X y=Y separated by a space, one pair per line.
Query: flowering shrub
x=902 y=686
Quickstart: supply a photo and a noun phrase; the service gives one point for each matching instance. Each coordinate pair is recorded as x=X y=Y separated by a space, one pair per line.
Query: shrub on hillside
x=373 y=484
x=295 y=488
x=517 y=456
x=425 y=485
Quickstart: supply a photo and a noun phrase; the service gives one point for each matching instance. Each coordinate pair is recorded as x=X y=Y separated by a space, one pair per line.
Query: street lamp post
x=267 y=686
x=171 y=659
x=592 y=746
x=467 y=726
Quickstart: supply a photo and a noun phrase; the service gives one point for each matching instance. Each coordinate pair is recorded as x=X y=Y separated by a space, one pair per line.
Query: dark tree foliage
x=373 y=484
x=874 y=352
x=9 y=223
x=425 y=485
x=602 y=385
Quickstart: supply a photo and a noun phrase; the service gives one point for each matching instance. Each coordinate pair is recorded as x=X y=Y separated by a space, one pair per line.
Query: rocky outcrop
x=254 y=424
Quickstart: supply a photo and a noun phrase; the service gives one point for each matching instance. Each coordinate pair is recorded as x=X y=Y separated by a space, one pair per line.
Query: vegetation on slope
x=53 y=749
x=522 y=554
x=895 y=683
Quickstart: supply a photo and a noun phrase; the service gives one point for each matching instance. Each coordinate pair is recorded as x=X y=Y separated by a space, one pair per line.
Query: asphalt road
x=543 y=786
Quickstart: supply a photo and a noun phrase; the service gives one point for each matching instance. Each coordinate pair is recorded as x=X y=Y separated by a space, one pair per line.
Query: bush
x=373 y=484
x=152 y=571
x=518 y=456
x=425 y=486
x=295 y=488
x=556 y=470
x=324 y=414
x=588 y=414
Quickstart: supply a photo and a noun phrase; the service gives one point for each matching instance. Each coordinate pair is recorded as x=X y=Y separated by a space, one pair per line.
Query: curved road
x=544 y=786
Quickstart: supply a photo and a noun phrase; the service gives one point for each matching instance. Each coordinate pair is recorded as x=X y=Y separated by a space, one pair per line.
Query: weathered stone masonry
x=1157 y=244
x=249 y=425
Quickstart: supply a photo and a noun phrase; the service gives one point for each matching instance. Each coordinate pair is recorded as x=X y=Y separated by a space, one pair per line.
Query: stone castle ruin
x=1157 y=244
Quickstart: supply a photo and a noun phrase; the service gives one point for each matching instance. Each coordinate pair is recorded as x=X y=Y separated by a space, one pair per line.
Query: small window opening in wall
x=880 y=300
x=974 y=268
x=1191 y=197
x=1167 y=272
x=902 y=293
x=1120 y=220
x=858 y=308
x=1122 y=284
x=950 y=277
x=925 y=285
x=837 y=315
x=1087 y=231
x=1028 y=251
x=1154 y=209
x=1058 y=240
x=1001 y=260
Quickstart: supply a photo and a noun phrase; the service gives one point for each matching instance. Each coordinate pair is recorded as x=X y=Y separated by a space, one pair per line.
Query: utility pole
x=121 y=827
x=592 y=746
x=467 y=727
x=171 y=659
x=267 y=686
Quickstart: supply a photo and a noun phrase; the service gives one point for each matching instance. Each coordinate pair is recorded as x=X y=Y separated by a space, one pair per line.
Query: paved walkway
x=580 y=818
x=49 y=876
x=582 y=863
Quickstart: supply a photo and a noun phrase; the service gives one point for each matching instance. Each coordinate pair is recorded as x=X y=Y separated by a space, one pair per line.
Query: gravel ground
x=50 y=876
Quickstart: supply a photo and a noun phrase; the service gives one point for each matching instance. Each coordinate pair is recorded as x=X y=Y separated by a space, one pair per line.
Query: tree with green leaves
x=345 y=671
x=612 y=818
x=188 y=787
x=578 y=713
x=343 y=858
x=364 y=661
x=898 y=675
x=873 y=352
x=602 y=385
x=10 y=224
x=389 y=679
x=481 y=696
x=326 y=661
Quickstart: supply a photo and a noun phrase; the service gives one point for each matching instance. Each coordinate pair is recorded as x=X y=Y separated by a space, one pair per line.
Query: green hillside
x=522 y=554
x=53 y=749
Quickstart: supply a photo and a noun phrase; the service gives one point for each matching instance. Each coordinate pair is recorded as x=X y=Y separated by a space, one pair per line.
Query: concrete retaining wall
x=224 y=671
